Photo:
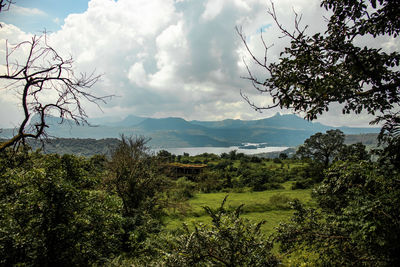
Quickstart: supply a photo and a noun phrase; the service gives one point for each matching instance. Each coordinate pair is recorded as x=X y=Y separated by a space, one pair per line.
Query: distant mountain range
x=279 y=130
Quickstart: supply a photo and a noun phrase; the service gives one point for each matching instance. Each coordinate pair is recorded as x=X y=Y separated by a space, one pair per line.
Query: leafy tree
x=184 y=189
x=229 y=241
x=48 y=219
x=133 y=176
x=322 y=148
x=356 y=221
x=283 y=156
x=132 y=173
x=354 y=152
x=328 y=67
x=165 y=156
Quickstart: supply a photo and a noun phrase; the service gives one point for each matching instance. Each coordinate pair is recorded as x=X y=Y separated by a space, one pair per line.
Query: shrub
x=46 y=219
x=184 y=189
x=280 y=201
x=229 y=241
x=303 y=184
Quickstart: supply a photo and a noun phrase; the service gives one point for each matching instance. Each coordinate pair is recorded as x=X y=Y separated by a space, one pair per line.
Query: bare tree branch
x=48 y=86
x=5 y=5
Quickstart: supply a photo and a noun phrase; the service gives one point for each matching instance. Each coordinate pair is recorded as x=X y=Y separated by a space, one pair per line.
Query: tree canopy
x=356 y=218
x=336 y=65
x=323 y=148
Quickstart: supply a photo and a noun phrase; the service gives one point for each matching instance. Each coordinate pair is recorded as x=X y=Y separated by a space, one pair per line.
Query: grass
x=257 y=207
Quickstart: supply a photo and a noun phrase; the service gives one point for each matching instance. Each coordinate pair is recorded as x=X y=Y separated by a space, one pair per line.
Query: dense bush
x=133 y=175
x=303 y=184
x=229 y=241
x=49 y=218
x=280 y=201
x=183 y=189
x=357 y=220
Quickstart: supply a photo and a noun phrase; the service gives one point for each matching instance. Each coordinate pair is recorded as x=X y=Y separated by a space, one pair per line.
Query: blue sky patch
x=35 y=16
x=264 y=28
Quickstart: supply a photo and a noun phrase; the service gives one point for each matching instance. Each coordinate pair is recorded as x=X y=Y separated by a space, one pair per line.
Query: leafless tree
x=47 y=85
x=5 y=5
x=262 y=85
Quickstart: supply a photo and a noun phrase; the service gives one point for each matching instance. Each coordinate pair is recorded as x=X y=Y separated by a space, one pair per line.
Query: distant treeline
x=89 y=147
x=76 y=146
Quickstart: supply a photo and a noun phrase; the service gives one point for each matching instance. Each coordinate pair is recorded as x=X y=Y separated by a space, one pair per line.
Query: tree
x=133 y=176
x=5 y=5
x=323 y=148
x=49 y=217
x=356 y=220
x=315 y=71
x=229 y=241
x=354 y=152
x=283 y=156
x=47 y=85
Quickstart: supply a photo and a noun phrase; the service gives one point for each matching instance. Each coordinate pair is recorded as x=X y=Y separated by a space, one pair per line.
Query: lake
x=193 y=151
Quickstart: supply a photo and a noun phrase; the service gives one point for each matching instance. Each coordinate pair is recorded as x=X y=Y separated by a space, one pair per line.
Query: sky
x=164 y=58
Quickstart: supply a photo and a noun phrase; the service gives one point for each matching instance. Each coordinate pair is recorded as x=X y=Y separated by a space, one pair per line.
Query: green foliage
x=165 y=156
x=283 y=156
x=210 y=181
x=357 y=220
x=322 y=148
x=133 y=175
x=353 y=152
x=184 y=189
x=48 y=218
x=303 y=183
x=328 y=67
x=389 y=155
x=229 y=241
x=280 y=201
x=277 y=160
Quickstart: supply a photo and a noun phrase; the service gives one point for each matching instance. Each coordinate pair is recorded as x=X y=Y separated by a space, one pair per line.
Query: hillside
x=279 y=130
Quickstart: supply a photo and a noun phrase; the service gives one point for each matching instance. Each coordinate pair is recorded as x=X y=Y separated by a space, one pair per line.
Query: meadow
x=271 y=206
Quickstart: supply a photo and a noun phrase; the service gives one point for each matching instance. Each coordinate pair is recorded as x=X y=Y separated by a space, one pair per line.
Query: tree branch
x=46 y=74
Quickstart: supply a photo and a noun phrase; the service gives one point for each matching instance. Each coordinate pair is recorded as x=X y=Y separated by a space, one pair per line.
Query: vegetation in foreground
x=134 y=208
x=67 y=210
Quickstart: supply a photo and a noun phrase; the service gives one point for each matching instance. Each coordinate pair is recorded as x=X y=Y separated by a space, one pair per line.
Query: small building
x=188 y=170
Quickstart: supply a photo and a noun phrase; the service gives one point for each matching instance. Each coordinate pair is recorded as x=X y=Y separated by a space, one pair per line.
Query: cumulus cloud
x=175 y=57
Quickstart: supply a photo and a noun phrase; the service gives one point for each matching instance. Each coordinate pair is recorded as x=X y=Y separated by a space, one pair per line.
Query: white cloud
x=212 y=9
x=13 y=34
x=56 y=21
x=172 y=54
x=137 y=74
x=27 y=11
x=175 y=58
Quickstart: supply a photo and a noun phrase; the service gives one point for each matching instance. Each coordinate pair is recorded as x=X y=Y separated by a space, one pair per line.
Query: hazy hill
x=129 y=121
x=279 y=130
x=168 y=124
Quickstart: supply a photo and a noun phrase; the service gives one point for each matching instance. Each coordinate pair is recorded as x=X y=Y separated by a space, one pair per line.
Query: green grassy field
x=257 y=207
